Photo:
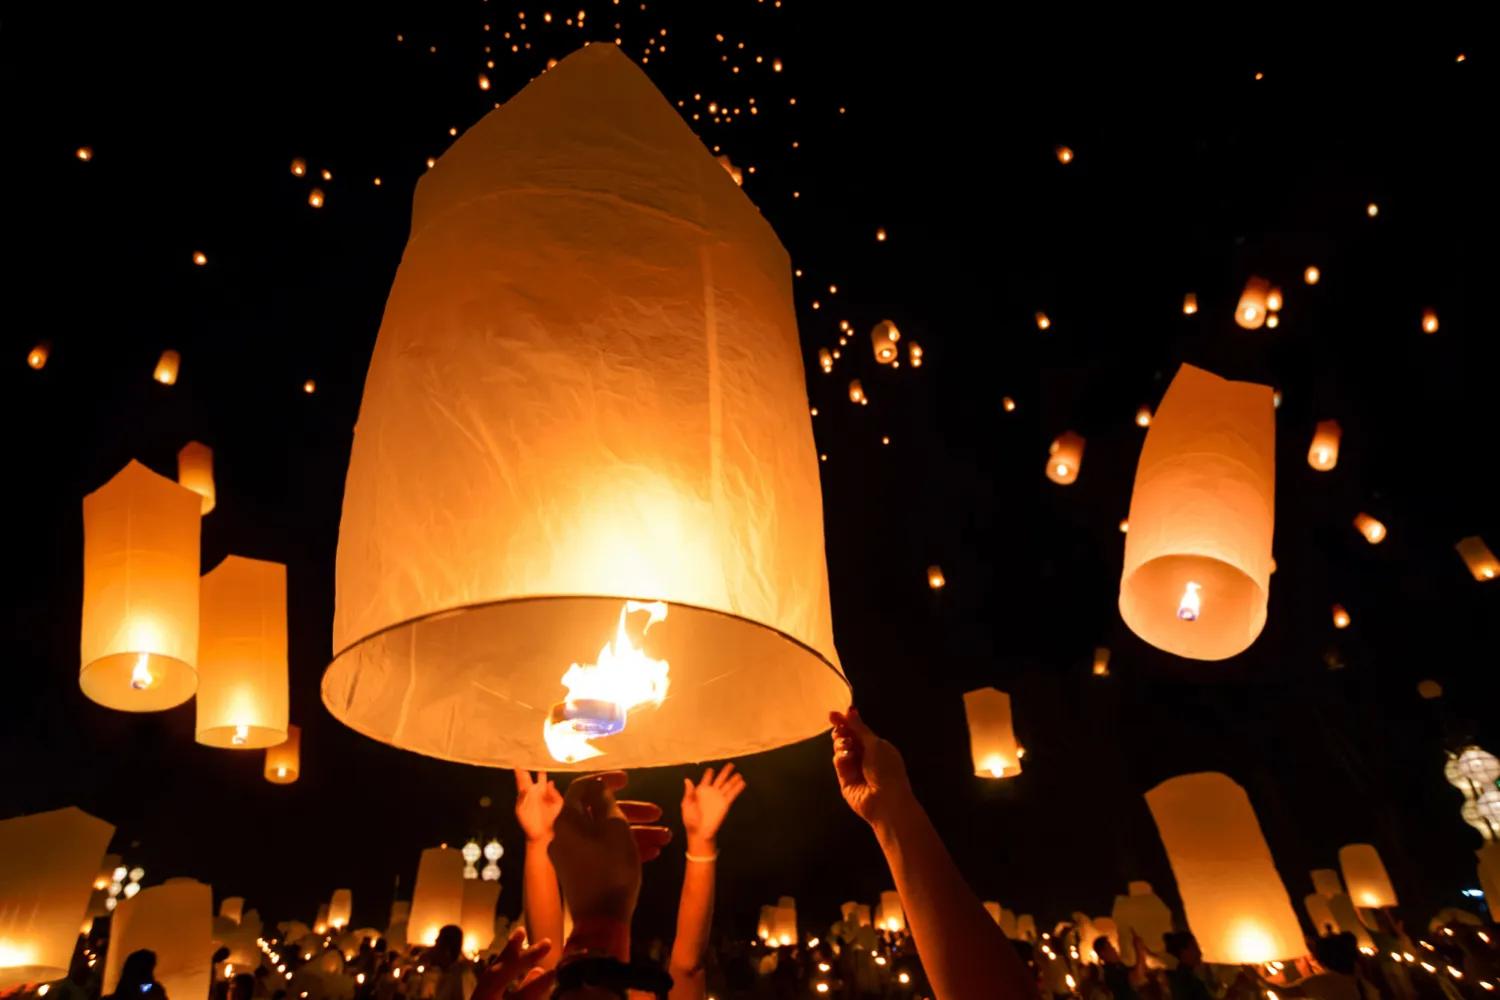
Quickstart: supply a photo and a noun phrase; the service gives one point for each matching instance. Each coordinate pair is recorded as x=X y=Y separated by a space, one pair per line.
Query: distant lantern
x=175 y=920
x=883 y=338
x=37 y=357
x=1273 y=321
x=326 y=174
x=1364 y=874
x=284 y=760
x=1143 y=416
x=880 y=236
x=1429 y=689
x=1189 y=304
x=309 y=387
x=437 y=898
x=1232 y=896
x=935 y=578
x=84 y=153
x=1327 y=882
x=340 y=908
x=825 y=359
x=471 y=851
x=1198 y=555
x=1007 y=404
x=1340 y=617
x=1429 y=321
x=857 y=393
x=765 y=923
x=1321 y=914
x=195 y=470
x=1275 y=399
x=315 y=197
x=1312 y=275
x=1141 y=913
x=484 y=81
x=1273 y=299
x=673 y=440
x=494 y=850
x=48 y=864
x=1124 y=525
x=477 y=914
x=784 y=921
x=1373 y=530
x=992 y=739
x=914 y=353
x=1042 y=322
x=1372 y=210
x=1064 y=154
x=200 y=258
x=1478 y=557
x=232 y=908
x=892 y=916
x=1064 y=458
x=1323 y=453
x=166 y=367
x=1252 y=309
x=299 y=167
x=139 y=641
x=1101 y=661
x=242 y=658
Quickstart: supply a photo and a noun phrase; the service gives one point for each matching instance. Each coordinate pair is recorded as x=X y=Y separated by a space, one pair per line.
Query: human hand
x=516 y=973
x=598 y=845
x=705 y=805
x=872 y=776
x=537 y=804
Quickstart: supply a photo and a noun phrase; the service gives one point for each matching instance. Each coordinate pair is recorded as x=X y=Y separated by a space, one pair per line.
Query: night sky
x=1189 y=174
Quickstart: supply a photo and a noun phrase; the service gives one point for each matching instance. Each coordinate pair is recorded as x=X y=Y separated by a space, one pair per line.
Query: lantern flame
x=241 y=734
x=1191 y=603
x=141 y=677
x=601 y=694
x=997 y=766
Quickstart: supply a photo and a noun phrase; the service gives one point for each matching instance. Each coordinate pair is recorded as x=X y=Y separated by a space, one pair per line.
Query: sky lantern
x=175 y=920
x=883 y=338
x=825 y=359
x=1273 y=299
x=1197 y=566
x=242 y=658
x=765 y=923
x=1364 y=874
x=139 y=640
x=914 y=353
x=1252 y=309
x=48 y=862
x=857 y=393
x=1064 y=458
x=1429 y=689
x=1323 y=453
x=340 y=908
x=1320 y=913
x=1429 y=321
x=1189 y=304
x=315 y=197
x=1042 y=322
x=195 y=470
x=1143 y=913
x=1101 y=661
x=1312 y=275
x=784 y=921
x=284 y=759
x=1327 y=882
x=1007 y=404
x=891 y=915
x=992 y=740
x=299 y=167
x=232 y=908
x=320 y=920
x=733 y=171
x=437 y=898
x=1340 y=617
x=656 y=472
x=1064 y=154
x=1373 y=530
x=1143 y=416
x=935 y=578
x=1233 y=898
x=1478 y=557
x=36 y=358
x=84 y=153
x=166 y=367
x=477 y=915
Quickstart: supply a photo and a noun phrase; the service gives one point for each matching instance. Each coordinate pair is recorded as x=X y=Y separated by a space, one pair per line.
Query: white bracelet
x=700 y=859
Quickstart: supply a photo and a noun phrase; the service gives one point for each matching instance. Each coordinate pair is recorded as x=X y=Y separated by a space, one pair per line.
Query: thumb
x=856 y=724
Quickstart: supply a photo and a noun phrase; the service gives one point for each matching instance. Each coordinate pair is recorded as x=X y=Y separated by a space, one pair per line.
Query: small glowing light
x=1275 y=399
x=200 y=258
x=1372 y=529
x=1191 y=603
x=1189 y=304
x=823 y=966
x=1341 y=620
x=880 y=960
x=84 y=153
x=1273 y=321
x=1273 y=300
x=1072 y=983
x=1428 y=967
x=996 y=765
x=903 y=978
x=37 y=358
x=360 y=978
x=1260 y=75
x=42 y=990
x=1372 y=210
x=1429 y=321
x=880 y=236
x=885 y=439
x=935 y=578
x=1042 y=322
x=821 y=987
x=1007 y=404
x=1064 y=154
x=131 y=888
x=241 y=735
x=431 y=162
x=1455 y=973
x=1312 y=275
x=484 y=82
x=377 y=182
x=140 y=675
x=1062 y=468
x=315 y=198
x=309 y=387
x=299 y=167
x=327 y=174
x=776 y=64
x=1124 y=525
x=1143 y=417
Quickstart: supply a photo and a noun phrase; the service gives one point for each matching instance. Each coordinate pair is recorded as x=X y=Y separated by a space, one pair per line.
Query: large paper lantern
x=284 y=760
x=195 y=470
x=139 y=640
x=477 y=914
x=1252 y=309
x=1235 y=902
x=1198 y=554
x=1364 y=874
x=784 y=922
x=242 y=665
x=437 y=898
x=340 y=908
x=1327 y=883
x=992 y=739
x=175 y=920
x=891 y=916
x=48 y=864
x=1141 y=913
x=883 y=339
x=1477 y=556
x=1064 y=458
x=1323 y=453
x=587 y=388
x=232 y=908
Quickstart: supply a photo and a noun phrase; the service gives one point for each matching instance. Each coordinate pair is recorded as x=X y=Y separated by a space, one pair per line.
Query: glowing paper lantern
x=890 y=915
x=1234 y=900
x=1273 y=300
x=299 y=167
x=1477 y=556
x=1327 y=883
x=765 y=923
x=1042 y=322
x=320 y=921
x=825 y=359
x=1340 y=617
x=1198 y=554
x=315 y=198
x=232 y=908
x=166 y=367
x=48 y=867
x=673 y=442
x=935 y=578
x=992 y=741
x=1323 y=453
x=1064 y=154
x=1312 y=275
x=195 y=470
x=784 y=921
x=284 y=760
x=1189 y=304
x=37 y=357
x=1320 y=913
x=340 y=907
x=1252 y=309
x=857 y=393
x=1372 y=529
x=242 y=659
x=1429 y=321
x=175 y=920
x=1101 y=661
x=1143 y=417
x=1364 y=874
x=477 y=914
x=1142 y=913
x=1064 y=458
x=139 y=642
x=883 y=338
x=1348 y=920
x=914 y=353
x=1429 y=689
x=437 y=898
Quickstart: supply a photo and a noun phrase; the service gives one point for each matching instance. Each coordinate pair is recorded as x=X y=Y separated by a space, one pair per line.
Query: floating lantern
x=200 y=258
x=1064 y=154
x=242 y=662
x=1143 y=417
x=1340 y=617
x=1252 y=309
x=1429 y=321
x=1372 y=529
x=48 y=864
x=1101 y=661
x=784 y=921
x=825 y=359
x=1007 y=404
x=1198 y=556
x=477 y=914
x=1042 y=322
x=914 y=353
x=175 y=920
x=327 y=174
x=1273 y=299
x=1275 y=399
x=299 y=167
x=309 y=387
x=315 y=197
x=1124 y=525
x=320 y=922
x=1141 y=913
x=1273 y=321
x=1327 y=883
x=232 y=908
x=166 y=368
x=1232 y=896
x=992 y=739
x=880 y=236
x=139 y=642
x=1323 y=453
x=1189 y=304
x=37 y=357
x=1064 y=458
x=857 y=393
x=935 y=578
x=883 y=338
x=1478 y=557
x=284 y=760
x=1312 y=275
x=1320 y=913
x=766 y=922
x=891 y=916
x=195 y=470
x=673 y=441
x=484 y=82
x=84 y=153
x=1372 y=210
x=437 y=898
x=340 y=907
x=1429 y=689
x=1364 y=874
x=734 y=172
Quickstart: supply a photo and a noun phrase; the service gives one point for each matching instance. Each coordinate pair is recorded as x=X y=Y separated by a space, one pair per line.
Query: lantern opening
x=601 y=694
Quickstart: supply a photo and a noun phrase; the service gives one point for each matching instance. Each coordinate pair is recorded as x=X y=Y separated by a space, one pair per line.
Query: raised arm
x=537 y=804
x=963 y=951
x=704 y=807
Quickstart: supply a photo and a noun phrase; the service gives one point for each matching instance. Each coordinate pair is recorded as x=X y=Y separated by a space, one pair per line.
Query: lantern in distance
x=1321 y=914
x=765 y=923
x=1064 y=458
x=37 y=357
x=1323 y=453
x=1312 y=275
x=315 y=197
x=232 y=908
x=1101 y=661
x=284 y=760
x=1042 y=322
x=477 y=917
x=299 y=167
x=1189 y=304
x=1252 y=309
x=1064 y=154
x=674 y=441
x=914 y=353
x=1232 y=896
x=1327 y=883
x=1364 y=874
x=1483 y=565
x=892 y=917
x=1273 y=299
x=437 y=897
x=1429 y=689
x=883 y=339
x=340 y=908
x=1007 y=404
x=1340 y=617
x=1141 y=912
x=857 y=393
x=935 y=578
x=784 y=923
x=320 y=920
x=139 y=639
x=166 y=367
x=1197 y=563
x=242 y=660
x=48 y=866
x=1373 y=530
x=1143 y=416
x=195 y=470
x=825 y=359
x=992 y=739
x=175 y=920
x=1429 y=321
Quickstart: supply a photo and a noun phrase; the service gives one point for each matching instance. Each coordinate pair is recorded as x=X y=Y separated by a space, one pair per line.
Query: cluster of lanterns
x=492 y=852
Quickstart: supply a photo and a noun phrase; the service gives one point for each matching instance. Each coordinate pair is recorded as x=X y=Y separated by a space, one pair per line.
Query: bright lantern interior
x=601 y=694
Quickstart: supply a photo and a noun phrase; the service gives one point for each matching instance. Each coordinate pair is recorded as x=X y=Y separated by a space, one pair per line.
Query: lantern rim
x=256 y=737
x=291 y=776
x=1157 y=620
x=104 y=679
